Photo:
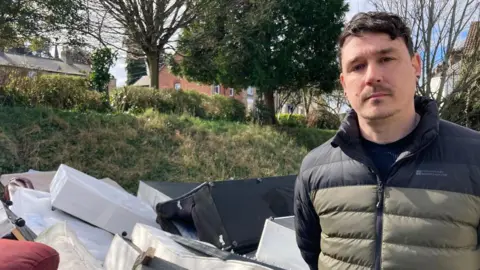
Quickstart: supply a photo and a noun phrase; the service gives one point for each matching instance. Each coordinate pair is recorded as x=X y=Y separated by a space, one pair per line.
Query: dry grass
x=148 y=147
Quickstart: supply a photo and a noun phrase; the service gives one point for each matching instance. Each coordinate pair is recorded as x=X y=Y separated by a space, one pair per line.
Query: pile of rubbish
x=95 y=224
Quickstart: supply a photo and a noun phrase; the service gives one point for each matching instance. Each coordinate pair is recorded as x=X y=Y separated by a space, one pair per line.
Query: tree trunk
x=270 y=104
x=152 y=59
x=467 y=107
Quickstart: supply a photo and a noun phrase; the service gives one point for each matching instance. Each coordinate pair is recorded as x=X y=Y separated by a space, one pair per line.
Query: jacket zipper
x=379 y=222
x=380 y=204
x=381 y=195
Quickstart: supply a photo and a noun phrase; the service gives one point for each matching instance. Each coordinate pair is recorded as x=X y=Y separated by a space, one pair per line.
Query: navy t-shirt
x=385 y=155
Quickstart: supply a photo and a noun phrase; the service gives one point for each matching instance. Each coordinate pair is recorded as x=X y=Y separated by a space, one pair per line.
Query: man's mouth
x=377 y=95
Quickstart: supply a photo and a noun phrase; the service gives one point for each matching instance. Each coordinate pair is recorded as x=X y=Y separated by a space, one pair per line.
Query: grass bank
x=151 y=146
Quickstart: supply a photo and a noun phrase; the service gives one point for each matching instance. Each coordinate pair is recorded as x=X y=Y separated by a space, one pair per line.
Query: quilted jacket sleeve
x=307 y=225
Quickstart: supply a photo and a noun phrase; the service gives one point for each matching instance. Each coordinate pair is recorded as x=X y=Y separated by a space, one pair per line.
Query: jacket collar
x=426 y=131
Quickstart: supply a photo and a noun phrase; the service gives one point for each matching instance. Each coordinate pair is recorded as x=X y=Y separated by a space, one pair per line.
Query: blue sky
x=118 y=70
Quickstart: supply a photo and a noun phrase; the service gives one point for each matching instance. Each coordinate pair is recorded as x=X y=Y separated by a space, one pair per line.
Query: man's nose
x=373 y=74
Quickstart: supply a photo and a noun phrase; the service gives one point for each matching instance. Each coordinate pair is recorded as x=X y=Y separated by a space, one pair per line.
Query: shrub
x=292 y=120
x=185 y=102
x=260 y=114
x=323 y=119
x=224 y=108
x=136 y=99
x=57 y=91
x=171 y=101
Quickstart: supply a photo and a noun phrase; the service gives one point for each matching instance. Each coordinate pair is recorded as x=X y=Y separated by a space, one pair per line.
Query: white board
x=6 y=226
x=278 y=245
x=167 y=249
x=98 y=203
x=123 y=255
x=150 y=195
x=35 y=208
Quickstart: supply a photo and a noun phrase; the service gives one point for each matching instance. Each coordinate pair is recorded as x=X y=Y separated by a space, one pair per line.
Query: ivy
x=102 y=59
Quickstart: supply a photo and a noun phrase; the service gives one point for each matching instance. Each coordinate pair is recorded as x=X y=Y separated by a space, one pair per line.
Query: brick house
x=167 y=80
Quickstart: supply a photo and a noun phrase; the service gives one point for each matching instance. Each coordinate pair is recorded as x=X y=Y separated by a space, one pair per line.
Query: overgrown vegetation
x=139 y=99
x=150 y=146
x=55 y=91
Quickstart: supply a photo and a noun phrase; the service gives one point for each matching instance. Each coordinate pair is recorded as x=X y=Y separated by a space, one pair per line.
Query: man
x=396 y=187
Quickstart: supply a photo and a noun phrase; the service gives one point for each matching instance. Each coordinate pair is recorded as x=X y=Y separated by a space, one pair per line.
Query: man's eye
x=386 y=59
x=358 y=67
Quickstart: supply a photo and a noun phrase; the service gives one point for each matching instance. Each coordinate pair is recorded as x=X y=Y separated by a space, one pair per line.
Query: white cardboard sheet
x=6 y=226
x=98 y=203
x=120 y=255
x=278 y=245
x=35 y=208
x=167 y=249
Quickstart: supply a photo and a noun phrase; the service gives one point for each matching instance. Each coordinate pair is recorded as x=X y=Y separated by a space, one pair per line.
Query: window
x=216 y=89
x=232 y=92
x=250 y=91
x=178 y=86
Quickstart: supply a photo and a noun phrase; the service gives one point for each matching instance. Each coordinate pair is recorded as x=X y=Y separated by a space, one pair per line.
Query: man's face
x=378 y=75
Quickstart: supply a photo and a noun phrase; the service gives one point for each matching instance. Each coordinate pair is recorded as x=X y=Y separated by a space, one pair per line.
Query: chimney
x=66 y=56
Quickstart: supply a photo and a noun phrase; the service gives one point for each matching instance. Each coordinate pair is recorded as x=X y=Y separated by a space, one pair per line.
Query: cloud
x=358 y=6
x=119 y=72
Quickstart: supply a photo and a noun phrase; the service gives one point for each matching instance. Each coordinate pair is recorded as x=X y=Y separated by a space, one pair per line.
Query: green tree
x=136 y=68
x=274 y=45
x=31 y=20
x=102 y=60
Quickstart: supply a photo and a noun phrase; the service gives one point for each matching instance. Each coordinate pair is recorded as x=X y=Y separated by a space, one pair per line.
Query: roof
x=143 y=81
x=39 y=63
x=473 y=37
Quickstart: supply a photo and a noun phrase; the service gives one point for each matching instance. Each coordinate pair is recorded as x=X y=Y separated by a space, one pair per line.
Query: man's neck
x=390 y=129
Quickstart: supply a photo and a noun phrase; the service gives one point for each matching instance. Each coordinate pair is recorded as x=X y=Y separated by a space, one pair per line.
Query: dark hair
x=377 y=22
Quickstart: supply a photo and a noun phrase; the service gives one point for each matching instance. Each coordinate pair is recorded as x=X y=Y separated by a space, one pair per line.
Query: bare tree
x=436 y=27
x=334 y=102
x=148 y=24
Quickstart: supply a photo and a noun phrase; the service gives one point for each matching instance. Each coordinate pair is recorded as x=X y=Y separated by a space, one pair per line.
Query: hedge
x=292 y=120
x=139 y=99
x=56 y=91
x=74 y=92
x=321 y=119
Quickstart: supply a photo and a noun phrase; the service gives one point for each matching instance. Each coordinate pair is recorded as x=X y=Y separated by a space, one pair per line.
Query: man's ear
x=342 y=82
x=417 y=64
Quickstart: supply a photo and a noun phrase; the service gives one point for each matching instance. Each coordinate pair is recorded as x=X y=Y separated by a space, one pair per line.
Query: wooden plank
x=16 y=232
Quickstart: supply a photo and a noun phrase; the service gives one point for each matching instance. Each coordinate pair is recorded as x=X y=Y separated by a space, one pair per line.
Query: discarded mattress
x=73 y=254
x=107 y=207
x=230 y=214
x=167 y=249
x=278 y=245
x=35 y=208
x=123 y=254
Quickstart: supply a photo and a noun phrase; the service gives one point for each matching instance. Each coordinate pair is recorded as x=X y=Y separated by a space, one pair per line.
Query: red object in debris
x=25 y=255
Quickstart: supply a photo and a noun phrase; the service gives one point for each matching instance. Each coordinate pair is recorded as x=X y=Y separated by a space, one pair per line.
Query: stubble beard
x=379 y=116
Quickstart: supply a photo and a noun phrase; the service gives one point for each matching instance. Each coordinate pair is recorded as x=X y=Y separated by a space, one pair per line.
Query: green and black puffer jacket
x=424 y=216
